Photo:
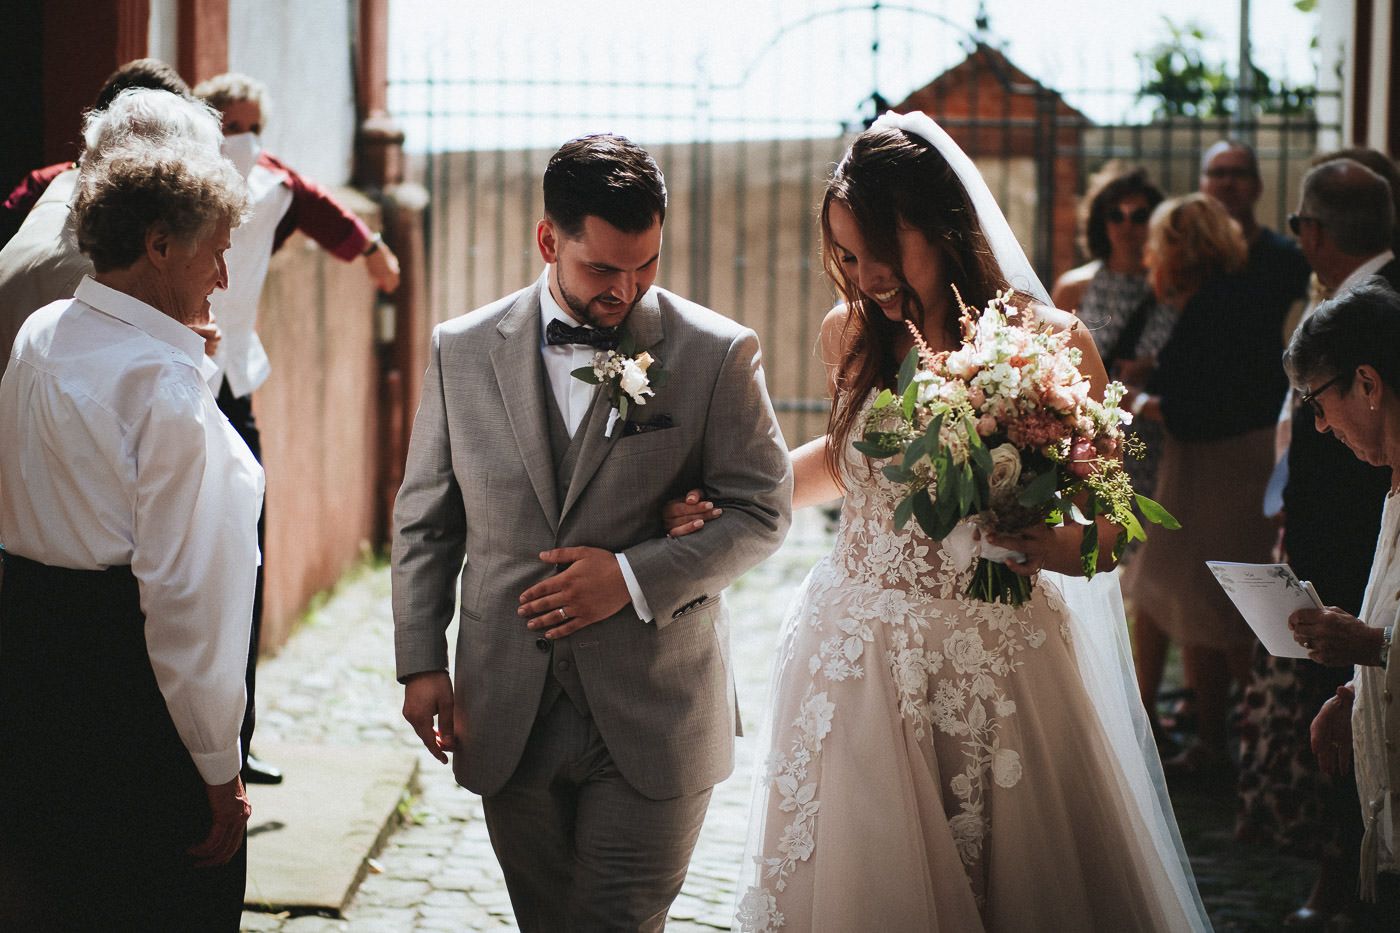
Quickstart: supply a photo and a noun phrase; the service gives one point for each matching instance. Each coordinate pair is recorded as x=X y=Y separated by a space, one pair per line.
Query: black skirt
x=99 y=798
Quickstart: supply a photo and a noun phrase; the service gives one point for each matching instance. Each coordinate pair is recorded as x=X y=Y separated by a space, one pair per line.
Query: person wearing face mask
x=281 y=202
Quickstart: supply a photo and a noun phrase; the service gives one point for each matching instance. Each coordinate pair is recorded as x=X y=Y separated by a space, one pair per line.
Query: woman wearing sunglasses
x=1109 y=290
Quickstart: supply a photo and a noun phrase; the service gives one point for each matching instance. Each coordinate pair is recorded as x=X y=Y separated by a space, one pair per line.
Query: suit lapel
x=644 y=327
x=520 y=374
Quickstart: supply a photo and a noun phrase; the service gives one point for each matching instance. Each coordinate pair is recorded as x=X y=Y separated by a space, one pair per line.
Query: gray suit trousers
x=582 y=850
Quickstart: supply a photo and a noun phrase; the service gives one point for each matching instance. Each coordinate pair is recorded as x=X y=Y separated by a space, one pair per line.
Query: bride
x=937 y=763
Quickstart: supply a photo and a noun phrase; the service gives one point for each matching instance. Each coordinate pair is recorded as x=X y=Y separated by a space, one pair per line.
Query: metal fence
x=746 y=174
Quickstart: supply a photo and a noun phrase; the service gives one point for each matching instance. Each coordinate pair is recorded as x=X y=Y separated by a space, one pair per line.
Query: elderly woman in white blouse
x=129 y=525
x=1345 y=360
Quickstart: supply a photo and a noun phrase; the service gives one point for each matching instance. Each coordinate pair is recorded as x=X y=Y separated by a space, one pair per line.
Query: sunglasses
x=1138 y=217
x=1295 y=222
x=1311 y=397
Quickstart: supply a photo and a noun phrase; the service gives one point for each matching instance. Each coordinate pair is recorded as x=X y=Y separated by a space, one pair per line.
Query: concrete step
x=310 y=836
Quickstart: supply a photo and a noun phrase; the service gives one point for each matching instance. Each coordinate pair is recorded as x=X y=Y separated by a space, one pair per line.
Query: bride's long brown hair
x=890 y=179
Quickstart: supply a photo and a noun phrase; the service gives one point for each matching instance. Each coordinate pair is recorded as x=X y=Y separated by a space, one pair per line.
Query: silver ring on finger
x=563 y=616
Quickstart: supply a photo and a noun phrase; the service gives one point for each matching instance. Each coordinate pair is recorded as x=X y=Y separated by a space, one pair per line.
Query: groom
x=594 y=704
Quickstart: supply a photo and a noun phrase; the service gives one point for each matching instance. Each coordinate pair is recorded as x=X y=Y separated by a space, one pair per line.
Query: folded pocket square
x=659 y=423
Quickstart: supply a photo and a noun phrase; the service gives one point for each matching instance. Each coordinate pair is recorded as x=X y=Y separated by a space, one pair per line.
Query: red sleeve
x=318 y=215
x=33 y=187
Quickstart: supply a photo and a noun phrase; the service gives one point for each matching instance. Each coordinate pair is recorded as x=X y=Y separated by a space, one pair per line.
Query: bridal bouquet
x=1003 y=431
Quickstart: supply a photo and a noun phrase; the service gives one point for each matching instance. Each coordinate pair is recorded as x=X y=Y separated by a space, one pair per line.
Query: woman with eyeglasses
x=1286 y=803
x=1217 y=390
x=1345 y=361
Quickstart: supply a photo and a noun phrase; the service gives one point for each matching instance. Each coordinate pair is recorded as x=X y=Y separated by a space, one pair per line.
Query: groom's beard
x=582 y=310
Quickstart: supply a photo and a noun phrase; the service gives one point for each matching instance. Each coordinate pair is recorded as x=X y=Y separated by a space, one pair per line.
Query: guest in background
x=1344 y=224
x=129 y=526
x=42 y=262
x=1345 y=360
x=1275 y=270
x=281 y=202
x=1107 y=291
x=1116 y=303
x=1217 y=388
x=142 y=72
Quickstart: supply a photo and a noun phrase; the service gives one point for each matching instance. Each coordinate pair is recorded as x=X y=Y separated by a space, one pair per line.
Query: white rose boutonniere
x=627 y=377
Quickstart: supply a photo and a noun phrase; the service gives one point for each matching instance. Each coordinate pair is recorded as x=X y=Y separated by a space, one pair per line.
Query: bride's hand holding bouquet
x=1004 y=432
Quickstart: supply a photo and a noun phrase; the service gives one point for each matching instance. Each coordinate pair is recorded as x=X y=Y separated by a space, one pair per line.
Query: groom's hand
x=588 y=590
x=428 y=696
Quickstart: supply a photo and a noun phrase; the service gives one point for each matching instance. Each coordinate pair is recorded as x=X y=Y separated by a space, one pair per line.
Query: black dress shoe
x=260 y=772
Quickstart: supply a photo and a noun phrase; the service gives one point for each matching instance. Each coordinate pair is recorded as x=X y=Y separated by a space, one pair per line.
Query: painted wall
x=302 y=52
x=318 y=414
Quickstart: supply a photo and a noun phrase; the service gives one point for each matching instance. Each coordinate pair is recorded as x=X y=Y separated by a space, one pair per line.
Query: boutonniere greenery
x=626 y=375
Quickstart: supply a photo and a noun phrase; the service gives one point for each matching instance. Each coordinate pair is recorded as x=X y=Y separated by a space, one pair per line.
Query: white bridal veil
x=1098 y=624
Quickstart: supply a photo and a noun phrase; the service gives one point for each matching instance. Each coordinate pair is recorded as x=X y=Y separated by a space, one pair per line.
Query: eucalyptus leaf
x=922 y=507
x=1089 y=550
x=896 y=474
x=905 y=509
x=883 y=400
x=1132 y=528
x=875 y=451
x=1040 y=490
x=587 y=374
x=1154 y=513
x=908 y=369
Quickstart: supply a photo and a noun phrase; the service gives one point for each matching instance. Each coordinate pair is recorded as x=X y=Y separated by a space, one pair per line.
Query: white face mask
x=242 y=150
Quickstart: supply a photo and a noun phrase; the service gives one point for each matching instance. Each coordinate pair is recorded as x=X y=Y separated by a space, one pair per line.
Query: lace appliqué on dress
x=947 y=657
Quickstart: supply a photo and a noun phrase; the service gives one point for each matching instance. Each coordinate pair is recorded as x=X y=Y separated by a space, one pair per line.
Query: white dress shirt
x=574 y=396
x=240 y=356
x=114 y=453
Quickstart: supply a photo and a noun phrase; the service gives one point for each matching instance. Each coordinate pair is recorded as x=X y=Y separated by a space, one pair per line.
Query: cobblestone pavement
x=334 y=683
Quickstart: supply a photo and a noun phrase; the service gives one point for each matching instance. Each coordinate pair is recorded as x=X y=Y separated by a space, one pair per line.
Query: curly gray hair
x=188 y=189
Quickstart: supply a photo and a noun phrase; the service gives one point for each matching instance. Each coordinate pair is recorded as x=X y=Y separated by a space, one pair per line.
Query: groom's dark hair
x=605 y=176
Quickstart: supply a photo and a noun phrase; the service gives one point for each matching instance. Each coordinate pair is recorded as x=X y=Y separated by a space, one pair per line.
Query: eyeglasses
x=1310 y=398
x=1295 y=222
x=1138 y=217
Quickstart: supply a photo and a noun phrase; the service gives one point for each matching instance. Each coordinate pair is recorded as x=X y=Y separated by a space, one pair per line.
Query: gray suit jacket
x=480 y=484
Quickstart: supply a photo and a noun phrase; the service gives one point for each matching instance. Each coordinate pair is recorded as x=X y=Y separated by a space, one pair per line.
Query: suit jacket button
x=542 y=644
x=563 y=665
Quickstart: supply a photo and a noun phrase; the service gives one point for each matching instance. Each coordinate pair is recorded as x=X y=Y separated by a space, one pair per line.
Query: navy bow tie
x=559 y=334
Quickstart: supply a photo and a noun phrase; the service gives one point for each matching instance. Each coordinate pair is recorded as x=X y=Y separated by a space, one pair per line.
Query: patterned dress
x=934 y=762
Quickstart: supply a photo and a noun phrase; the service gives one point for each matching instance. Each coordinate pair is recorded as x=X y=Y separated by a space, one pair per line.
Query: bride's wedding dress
x=937 y=763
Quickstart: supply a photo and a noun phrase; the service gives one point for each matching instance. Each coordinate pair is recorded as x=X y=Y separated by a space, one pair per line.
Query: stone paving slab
x=334 y=684
x=310 y=835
